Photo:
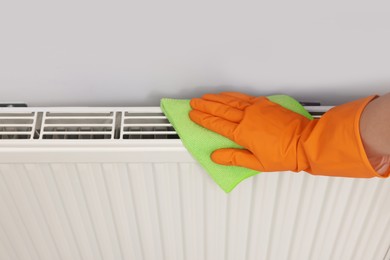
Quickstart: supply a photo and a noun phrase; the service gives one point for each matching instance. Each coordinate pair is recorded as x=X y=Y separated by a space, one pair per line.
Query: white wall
x=135 y=52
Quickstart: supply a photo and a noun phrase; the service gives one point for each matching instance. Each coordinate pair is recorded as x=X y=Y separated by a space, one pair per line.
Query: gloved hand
x=277 y=139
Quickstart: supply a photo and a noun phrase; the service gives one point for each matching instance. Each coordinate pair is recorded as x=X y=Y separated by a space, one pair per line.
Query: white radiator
x=117 y=183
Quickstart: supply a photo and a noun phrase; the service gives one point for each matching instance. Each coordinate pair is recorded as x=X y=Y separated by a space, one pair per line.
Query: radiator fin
x=175 y=211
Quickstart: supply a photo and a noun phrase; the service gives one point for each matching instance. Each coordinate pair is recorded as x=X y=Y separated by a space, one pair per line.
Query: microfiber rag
x=201 y=142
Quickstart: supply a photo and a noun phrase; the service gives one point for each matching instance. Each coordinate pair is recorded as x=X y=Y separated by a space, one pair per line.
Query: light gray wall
x=130 y=53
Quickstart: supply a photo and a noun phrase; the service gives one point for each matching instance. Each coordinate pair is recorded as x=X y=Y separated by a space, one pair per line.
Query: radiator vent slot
x=111 y=125
x=147 y=126
x=78 y=125
x=98 y=123
x=17 y=125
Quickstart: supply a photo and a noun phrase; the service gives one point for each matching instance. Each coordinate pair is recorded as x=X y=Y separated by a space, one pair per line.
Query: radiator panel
x=175 y=211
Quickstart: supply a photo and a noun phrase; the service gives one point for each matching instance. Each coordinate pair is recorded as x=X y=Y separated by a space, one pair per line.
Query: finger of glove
x=217 y=109
x=233 y=102
x=237 y=157
x=213 y=123
x=241 y=96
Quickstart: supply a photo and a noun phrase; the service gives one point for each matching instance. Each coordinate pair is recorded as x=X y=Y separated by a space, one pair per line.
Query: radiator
x=117 y=183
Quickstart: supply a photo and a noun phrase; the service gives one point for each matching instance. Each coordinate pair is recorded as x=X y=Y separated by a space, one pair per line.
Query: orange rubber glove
x=277 y=139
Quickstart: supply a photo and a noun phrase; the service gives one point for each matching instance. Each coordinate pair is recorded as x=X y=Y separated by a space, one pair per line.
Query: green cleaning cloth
x=201 y=142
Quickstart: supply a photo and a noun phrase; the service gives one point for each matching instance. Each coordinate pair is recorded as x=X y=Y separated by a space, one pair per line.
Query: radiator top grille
x=91 y=123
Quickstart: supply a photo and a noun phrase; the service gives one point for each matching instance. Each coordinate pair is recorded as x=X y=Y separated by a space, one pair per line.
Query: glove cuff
x=332 y=145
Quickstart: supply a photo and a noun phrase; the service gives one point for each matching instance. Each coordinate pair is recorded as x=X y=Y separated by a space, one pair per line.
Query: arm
x=375 y=132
